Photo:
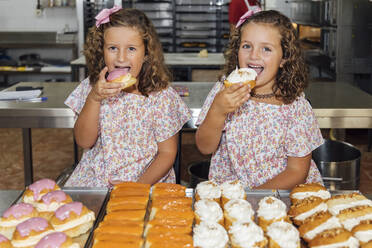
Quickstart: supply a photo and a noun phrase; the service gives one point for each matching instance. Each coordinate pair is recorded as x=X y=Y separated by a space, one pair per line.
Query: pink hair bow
x=104 y=15
x=247 y=14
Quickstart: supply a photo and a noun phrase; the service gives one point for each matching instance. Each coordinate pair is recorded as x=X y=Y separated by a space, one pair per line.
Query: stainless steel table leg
x=189 y=73
x=75 y=73
x=76 y=152
x=27 y=156
x=177 y=162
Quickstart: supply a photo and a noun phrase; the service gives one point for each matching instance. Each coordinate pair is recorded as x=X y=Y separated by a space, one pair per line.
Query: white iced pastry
x=208 y=210
x=232 y=190
x=208 y=190
x=270 y=208
x=247 y=235
x=239 y=210
x=210 y=235
x=284 y=234
x=242 y=75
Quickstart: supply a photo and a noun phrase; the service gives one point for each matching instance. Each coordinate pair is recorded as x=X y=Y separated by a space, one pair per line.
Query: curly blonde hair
x=154 y=74
x=292 y=78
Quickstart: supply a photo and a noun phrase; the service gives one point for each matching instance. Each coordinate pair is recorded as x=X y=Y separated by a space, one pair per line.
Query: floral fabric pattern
x=130 y=126
x=258 y=138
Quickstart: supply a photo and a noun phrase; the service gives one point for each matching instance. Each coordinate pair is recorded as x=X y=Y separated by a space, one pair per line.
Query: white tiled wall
x=20 y=15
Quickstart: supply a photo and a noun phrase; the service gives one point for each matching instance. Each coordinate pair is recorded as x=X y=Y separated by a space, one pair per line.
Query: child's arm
x=163 y=162
x=86 y=125
x=209 y=133
x=295 y=173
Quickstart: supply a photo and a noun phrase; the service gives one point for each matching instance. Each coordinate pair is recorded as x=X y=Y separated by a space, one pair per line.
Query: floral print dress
x=258 y=137
x=130 y=126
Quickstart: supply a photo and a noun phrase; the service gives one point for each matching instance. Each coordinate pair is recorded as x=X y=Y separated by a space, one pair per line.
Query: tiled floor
x=53 y=152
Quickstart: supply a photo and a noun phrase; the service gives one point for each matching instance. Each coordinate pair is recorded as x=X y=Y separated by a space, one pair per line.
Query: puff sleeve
x=208 y=102
x=77 y=98
x=170 y=114
x=303 y=135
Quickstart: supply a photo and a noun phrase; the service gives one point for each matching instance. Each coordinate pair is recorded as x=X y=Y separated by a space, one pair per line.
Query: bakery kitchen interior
x=41 y=46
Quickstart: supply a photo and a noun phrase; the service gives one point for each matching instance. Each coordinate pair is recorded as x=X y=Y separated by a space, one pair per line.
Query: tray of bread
x=228 y=215
x=46 y=216
x=138 y=215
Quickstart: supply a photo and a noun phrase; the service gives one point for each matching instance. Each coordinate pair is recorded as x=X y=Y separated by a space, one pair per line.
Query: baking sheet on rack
x=92 y=198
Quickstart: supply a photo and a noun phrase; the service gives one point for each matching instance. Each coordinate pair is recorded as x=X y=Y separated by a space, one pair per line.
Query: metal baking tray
x=94 y=199
x=7 y=198
x=90 y=239
x=254 y=197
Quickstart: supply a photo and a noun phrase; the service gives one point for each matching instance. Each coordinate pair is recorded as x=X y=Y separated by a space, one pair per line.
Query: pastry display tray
x=94 y=199
x=89 y=243
x=253 y=196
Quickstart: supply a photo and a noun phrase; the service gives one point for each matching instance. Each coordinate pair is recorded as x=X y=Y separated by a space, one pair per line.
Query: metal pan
x=89 y=242
x=94 y=199
x=99 y=217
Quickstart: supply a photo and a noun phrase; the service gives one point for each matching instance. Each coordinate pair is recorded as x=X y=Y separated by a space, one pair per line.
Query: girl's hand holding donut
x=231 y=98
x=102 y=90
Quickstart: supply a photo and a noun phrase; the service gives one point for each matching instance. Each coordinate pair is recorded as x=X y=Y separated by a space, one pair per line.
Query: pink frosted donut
x=35 y=191
x=29 y=232
x=56 y=240
x=15 y=215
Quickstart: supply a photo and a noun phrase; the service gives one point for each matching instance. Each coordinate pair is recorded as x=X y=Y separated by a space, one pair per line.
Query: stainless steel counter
x=336 y=105
x=52 y=113
x=340 y=105
x=48 y=114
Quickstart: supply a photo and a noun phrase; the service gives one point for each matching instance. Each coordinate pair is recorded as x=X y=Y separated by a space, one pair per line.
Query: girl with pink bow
x=263 y=136
x=129 y=132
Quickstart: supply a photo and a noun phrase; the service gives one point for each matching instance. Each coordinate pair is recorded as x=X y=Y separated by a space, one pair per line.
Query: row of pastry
x=224 y=216
x=343 y=220
x=46 y=217
x=168 y=222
